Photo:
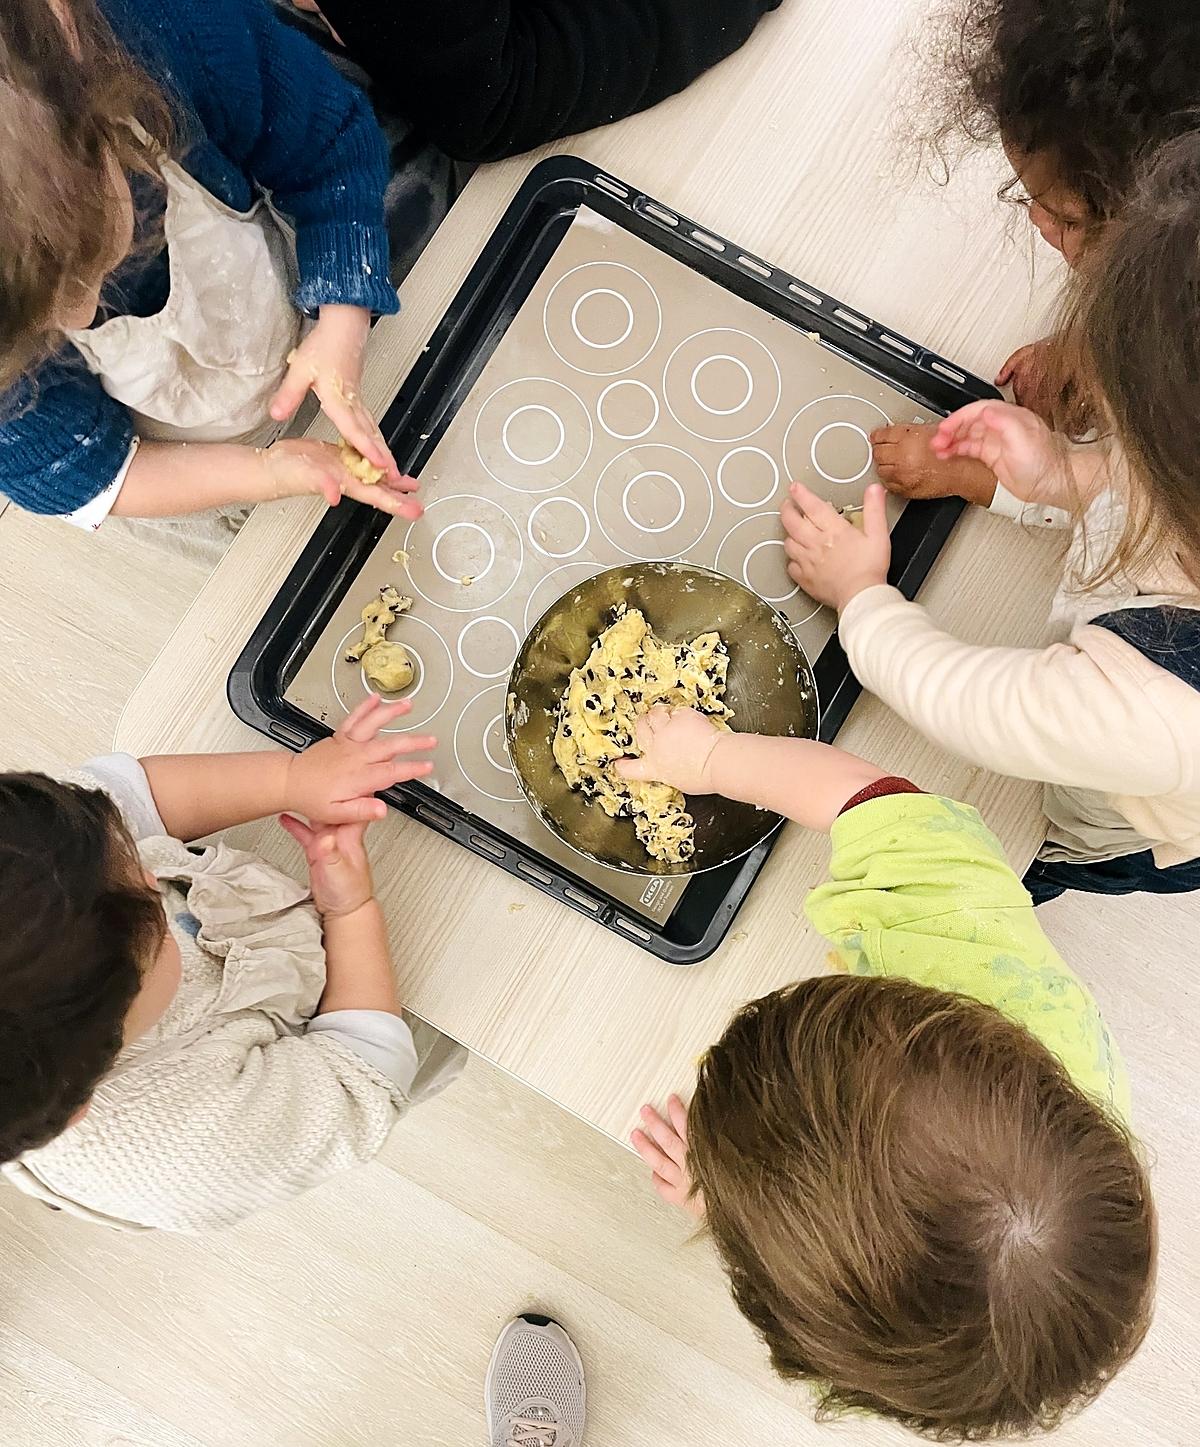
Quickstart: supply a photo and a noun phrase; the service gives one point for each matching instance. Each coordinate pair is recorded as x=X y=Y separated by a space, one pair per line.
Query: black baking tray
x=488 y=300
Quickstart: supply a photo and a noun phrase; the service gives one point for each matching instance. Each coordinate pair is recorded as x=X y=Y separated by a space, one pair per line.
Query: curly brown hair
x=69 y=92
x=919 y=1211
x=1092 y=85
x=79 y=929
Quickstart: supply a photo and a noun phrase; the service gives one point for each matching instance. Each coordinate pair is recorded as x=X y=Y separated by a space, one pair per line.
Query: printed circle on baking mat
x=654 y=502
x=551 y=586
x=533 y=435
x=830 y=439
x=487 y=646
x=748 y=477
x=752 y=552
x=465 y=554
x=481 y=749
x=433 y=673
x=722 y=385
x=559 y=527
x=627 y=409
x=602 y=318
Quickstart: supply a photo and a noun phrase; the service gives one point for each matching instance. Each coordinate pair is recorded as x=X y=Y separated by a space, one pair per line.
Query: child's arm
x=1030 y=462
x=1050 y=714
x=805 y=781
x=269 y=99
x=484 y=79
x=170 y=479
x=333 y=782
x=358 y=959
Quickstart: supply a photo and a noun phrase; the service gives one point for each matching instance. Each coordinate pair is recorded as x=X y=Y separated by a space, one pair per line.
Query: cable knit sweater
x=261 y=110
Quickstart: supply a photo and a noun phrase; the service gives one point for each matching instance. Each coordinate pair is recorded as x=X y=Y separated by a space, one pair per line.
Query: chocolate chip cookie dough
x=386 y=665
x=627 y=672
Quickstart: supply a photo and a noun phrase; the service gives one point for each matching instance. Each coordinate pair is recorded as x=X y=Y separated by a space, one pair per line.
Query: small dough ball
x=357 y=465
x=388 y=666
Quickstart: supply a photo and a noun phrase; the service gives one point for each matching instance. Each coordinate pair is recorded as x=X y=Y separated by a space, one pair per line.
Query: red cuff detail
x=880 y=789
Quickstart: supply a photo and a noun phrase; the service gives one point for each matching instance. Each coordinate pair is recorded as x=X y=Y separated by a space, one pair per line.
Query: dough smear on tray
x=386 y=665
x=627 y=672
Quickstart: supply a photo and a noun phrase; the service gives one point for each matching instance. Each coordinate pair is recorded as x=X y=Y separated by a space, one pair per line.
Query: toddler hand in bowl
x=677 y=747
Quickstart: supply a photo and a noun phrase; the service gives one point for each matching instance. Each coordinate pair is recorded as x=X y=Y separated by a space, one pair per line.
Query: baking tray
x=503 y=277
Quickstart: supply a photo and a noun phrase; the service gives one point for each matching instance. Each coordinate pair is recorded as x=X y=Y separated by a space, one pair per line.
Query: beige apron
x=205 y=367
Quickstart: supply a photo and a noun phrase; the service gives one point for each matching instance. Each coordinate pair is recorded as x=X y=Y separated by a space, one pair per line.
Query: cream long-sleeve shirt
x=1115 y=737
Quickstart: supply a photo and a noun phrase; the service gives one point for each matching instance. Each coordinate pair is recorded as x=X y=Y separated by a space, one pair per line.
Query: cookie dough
x=388 y=666
x=357 y=465
x=628 y=671
x=377 y=617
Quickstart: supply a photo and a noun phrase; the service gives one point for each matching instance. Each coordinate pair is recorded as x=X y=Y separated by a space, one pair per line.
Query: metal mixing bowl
x=770 y=690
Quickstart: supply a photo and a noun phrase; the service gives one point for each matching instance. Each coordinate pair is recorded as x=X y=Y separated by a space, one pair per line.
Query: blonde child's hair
x=75 y=110
x=918 y=1210
x=1130 y=338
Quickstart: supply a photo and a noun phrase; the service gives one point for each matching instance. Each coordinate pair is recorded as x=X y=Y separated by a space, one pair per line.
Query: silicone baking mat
x=612 y=382
x=632 y=410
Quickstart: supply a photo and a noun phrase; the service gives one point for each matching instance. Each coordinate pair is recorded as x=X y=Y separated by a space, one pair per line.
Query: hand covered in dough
x=830 y=558
x=677 y=746
x=329 y=362
x=300 y=466
x=335 y=781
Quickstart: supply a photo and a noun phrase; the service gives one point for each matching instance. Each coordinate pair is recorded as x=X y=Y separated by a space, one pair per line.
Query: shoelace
x=528 y=1432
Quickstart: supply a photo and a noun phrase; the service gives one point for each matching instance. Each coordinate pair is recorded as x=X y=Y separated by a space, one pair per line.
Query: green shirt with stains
x=920 y=888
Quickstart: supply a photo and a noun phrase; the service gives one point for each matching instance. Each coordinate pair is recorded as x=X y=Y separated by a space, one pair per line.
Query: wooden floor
x=364 y=1314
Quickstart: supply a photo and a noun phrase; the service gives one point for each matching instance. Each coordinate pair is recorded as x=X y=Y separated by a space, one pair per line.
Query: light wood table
x=783 y=148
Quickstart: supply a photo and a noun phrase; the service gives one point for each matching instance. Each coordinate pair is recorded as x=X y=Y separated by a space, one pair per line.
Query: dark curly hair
x=918 y=1209
x=79 y=928
x=1093 y=85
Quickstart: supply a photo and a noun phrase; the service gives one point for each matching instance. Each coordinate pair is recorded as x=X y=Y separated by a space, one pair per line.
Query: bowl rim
x=538 y=811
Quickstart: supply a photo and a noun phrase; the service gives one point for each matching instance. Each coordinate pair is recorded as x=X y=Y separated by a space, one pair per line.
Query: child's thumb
x=633 y=769
x=875 y=522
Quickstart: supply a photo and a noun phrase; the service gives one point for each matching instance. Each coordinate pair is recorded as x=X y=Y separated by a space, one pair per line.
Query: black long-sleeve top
x=485 y=79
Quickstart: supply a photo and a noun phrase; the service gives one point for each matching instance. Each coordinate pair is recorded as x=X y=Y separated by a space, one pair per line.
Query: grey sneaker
x=534 y=1391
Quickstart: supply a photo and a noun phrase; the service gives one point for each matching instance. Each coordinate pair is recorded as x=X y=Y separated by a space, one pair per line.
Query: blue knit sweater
x=261 y=108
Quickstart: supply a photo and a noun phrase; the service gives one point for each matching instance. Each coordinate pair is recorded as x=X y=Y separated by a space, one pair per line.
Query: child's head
x=1130 y=334
x=84 y=953
x=68 y=95
x=1078 y=91
x=917 y=1209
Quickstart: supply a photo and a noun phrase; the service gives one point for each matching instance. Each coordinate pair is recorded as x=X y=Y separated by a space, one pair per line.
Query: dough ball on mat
x=388 y=666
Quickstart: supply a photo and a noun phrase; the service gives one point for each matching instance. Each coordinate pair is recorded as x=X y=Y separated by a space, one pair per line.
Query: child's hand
x=677 y=746
x=334 y=781
x=329 y=361
x=338 y=868
x=662 y=1144
x=297 y=466
x=829 y=557
x=1027 y=458
x=1034 y=374
x=907 y=467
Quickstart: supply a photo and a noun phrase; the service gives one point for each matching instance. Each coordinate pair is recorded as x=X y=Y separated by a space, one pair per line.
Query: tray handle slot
x=614 y=188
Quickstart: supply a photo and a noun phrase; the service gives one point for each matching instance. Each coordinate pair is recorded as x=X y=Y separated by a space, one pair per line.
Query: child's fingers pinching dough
x=816 y=510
